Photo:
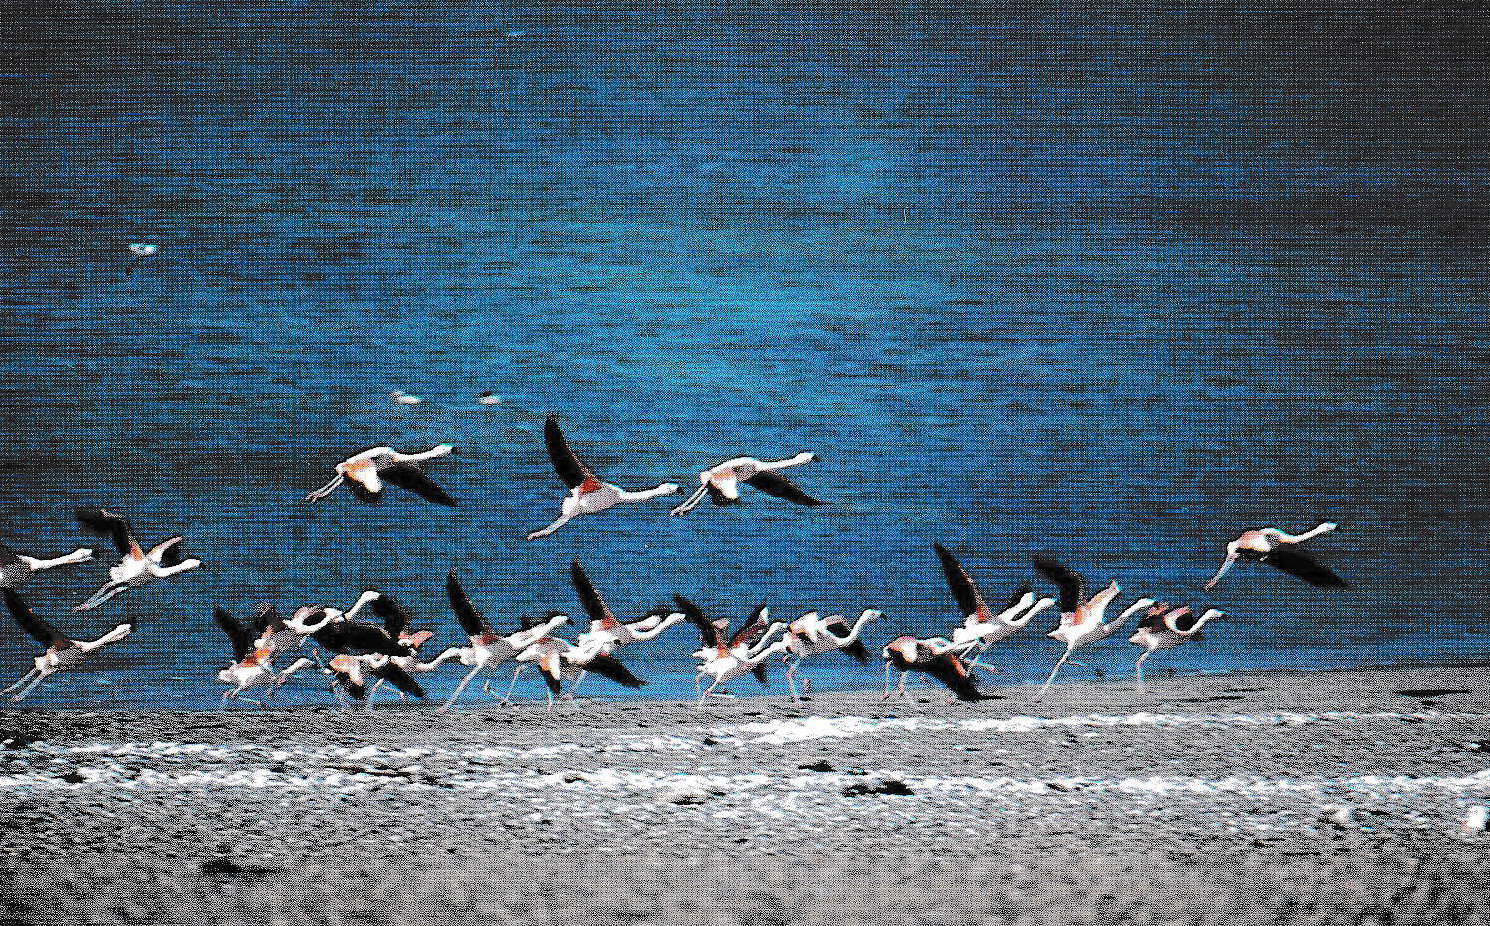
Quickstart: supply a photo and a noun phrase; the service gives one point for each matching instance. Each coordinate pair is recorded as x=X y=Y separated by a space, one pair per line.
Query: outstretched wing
x=949 y=670
x=266 y=617
x=411 y=478
x=566 y=463
x=1290 y=559
x=350 y=636
x=395 y=675
x=107 y=524
x=595 y=606
x=610 y=667
x=396 y=617
x=39 y=630
x=466 y=615
x=969 y=599
x=1072 y=585
x=778 y=485
x=753 y=628
x=694 y=615
x=240 y=636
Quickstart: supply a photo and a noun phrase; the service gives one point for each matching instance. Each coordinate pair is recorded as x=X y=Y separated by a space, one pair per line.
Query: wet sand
x=1324 y=797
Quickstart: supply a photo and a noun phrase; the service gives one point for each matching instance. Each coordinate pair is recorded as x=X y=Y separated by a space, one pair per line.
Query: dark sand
x=1327 y=797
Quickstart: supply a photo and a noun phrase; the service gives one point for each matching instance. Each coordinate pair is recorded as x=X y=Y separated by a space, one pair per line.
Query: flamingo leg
x=1230 y=559
x=575 y=687
x=692 y=501
x=507 y=698
x=458 y=689
x=790 y=685
x=886 y=695
x=19 y=682
x=41 y=676
x=326 y=489
x=1059 y=663
x=1138 y=667
x=222 y=705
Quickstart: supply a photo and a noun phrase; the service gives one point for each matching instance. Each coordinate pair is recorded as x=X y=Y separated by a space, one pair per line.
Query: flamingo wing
x=411 y=478
x=396 y=617
x=240 y=636
x=1071 y=584
x=610 y=667
x=566 y=462
x=466 y=615
x=964 y=589
x=949 y=670
x=595 y=605
x=8 y=557
x=778 y=485
x=107 y=524
x=707 y=630
x=265 y=618
x=38 y=629
x=347 y=636
x=1290 y=559
x=395 y=674
x=754 y=626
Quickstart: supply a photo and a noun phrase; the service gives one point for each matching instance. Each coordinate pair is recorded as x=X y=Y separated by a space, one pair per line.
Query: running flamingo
x=813 y=635
x=981 y=627
x=1081 y=616
x=1166 y=627
x=936 y=658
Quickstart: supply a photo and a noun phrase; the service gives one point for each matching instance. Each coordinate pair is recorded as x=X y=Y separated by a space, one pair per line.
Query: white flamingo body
x=1279 y=549
x=588 y=494
x=256 y=670
x=1082 y=622
x=722 y=481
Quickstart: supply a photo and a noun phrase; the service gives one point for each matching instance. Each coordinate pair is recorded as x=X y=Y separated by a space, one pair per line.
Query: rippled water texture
x=1099 y=281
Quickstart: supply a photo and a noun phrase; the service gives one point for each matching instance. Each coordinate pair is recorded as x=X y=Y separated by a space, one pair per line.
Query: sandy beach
x=1323 y=797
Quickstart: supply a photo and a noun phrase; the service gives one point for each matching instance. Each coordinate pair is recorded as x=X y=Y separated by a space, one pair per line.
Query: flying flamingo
x=936 y=658
x=16 y=568
x=721 y=655
x=252 y=655
x=366 y=472
x=587 y=493
x=606 y=633
x=721 y=482
x=813 y=635
x=1279 y=550
x=1081 y=616
x=1165 y=627
x=136 y=566
x=558 y=660
x=62 y=652
x=486 y=648
x=981 y=626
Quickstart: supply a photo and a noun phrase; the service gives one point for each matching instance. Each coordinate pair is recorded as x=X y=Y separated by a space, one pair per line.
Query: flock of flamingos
x=359 y=657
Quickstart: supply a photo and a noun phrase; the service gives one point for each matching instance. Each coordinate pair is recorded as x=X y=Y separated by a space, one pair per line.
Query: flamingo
x=606 y=633
x=138 y=252
x=253 y=651
x=1280 y=550
x=558 y=660
x=313 y=617
x=486 y=649
x=365 y=473
x=396 y=624
x=136 y=567
x=813 y=635
x=1165 y=627
x=936 y=658
x=1081 y=616
x=721 y=482
x=16 y=568
x=587 y=493
x=726 y=659
x=981 y=627
x=62 y=652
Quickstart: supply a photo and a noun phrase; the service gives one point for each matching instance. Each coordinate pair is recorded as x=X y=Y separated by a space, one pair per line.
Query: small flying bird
x=16 y=568
x=1081 y=616
x=253 y=651
x=143 y=249
x=558 y=660
x=1275 y=548
x=934 y=657
x=486 y=649
x=813 y=635
x=366 y=472
x=587 y=493
x=606 y=633
x=721 y=482
x=981 y=626
x=488 y=398
x=136 y=567
x=1165 y=627
x=62 y=652
x=400 y=397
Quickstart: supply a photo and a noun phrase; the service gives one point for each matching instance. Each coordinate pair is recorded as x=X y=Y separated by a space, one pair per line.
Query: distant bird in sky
x=721 y=482
x=933 y=657
x=62 y=652
x=1275 y=548
x=1165 y=627
x=136 y=566
x=488 y=398
x=16 y=568
x=587 y=493
x=813 y=635
x=400 y=397
x=144 y=249
x=366 y=472
x=1081 y=616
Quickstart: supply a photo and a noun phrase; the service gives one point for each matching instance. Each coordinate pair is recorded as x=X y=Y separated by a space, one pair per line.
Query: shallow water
x=1112 y=285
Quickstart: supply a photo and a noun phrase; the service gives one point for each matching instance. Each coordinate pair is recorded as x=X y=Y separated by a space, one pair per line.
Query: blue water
x=1094 y=281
